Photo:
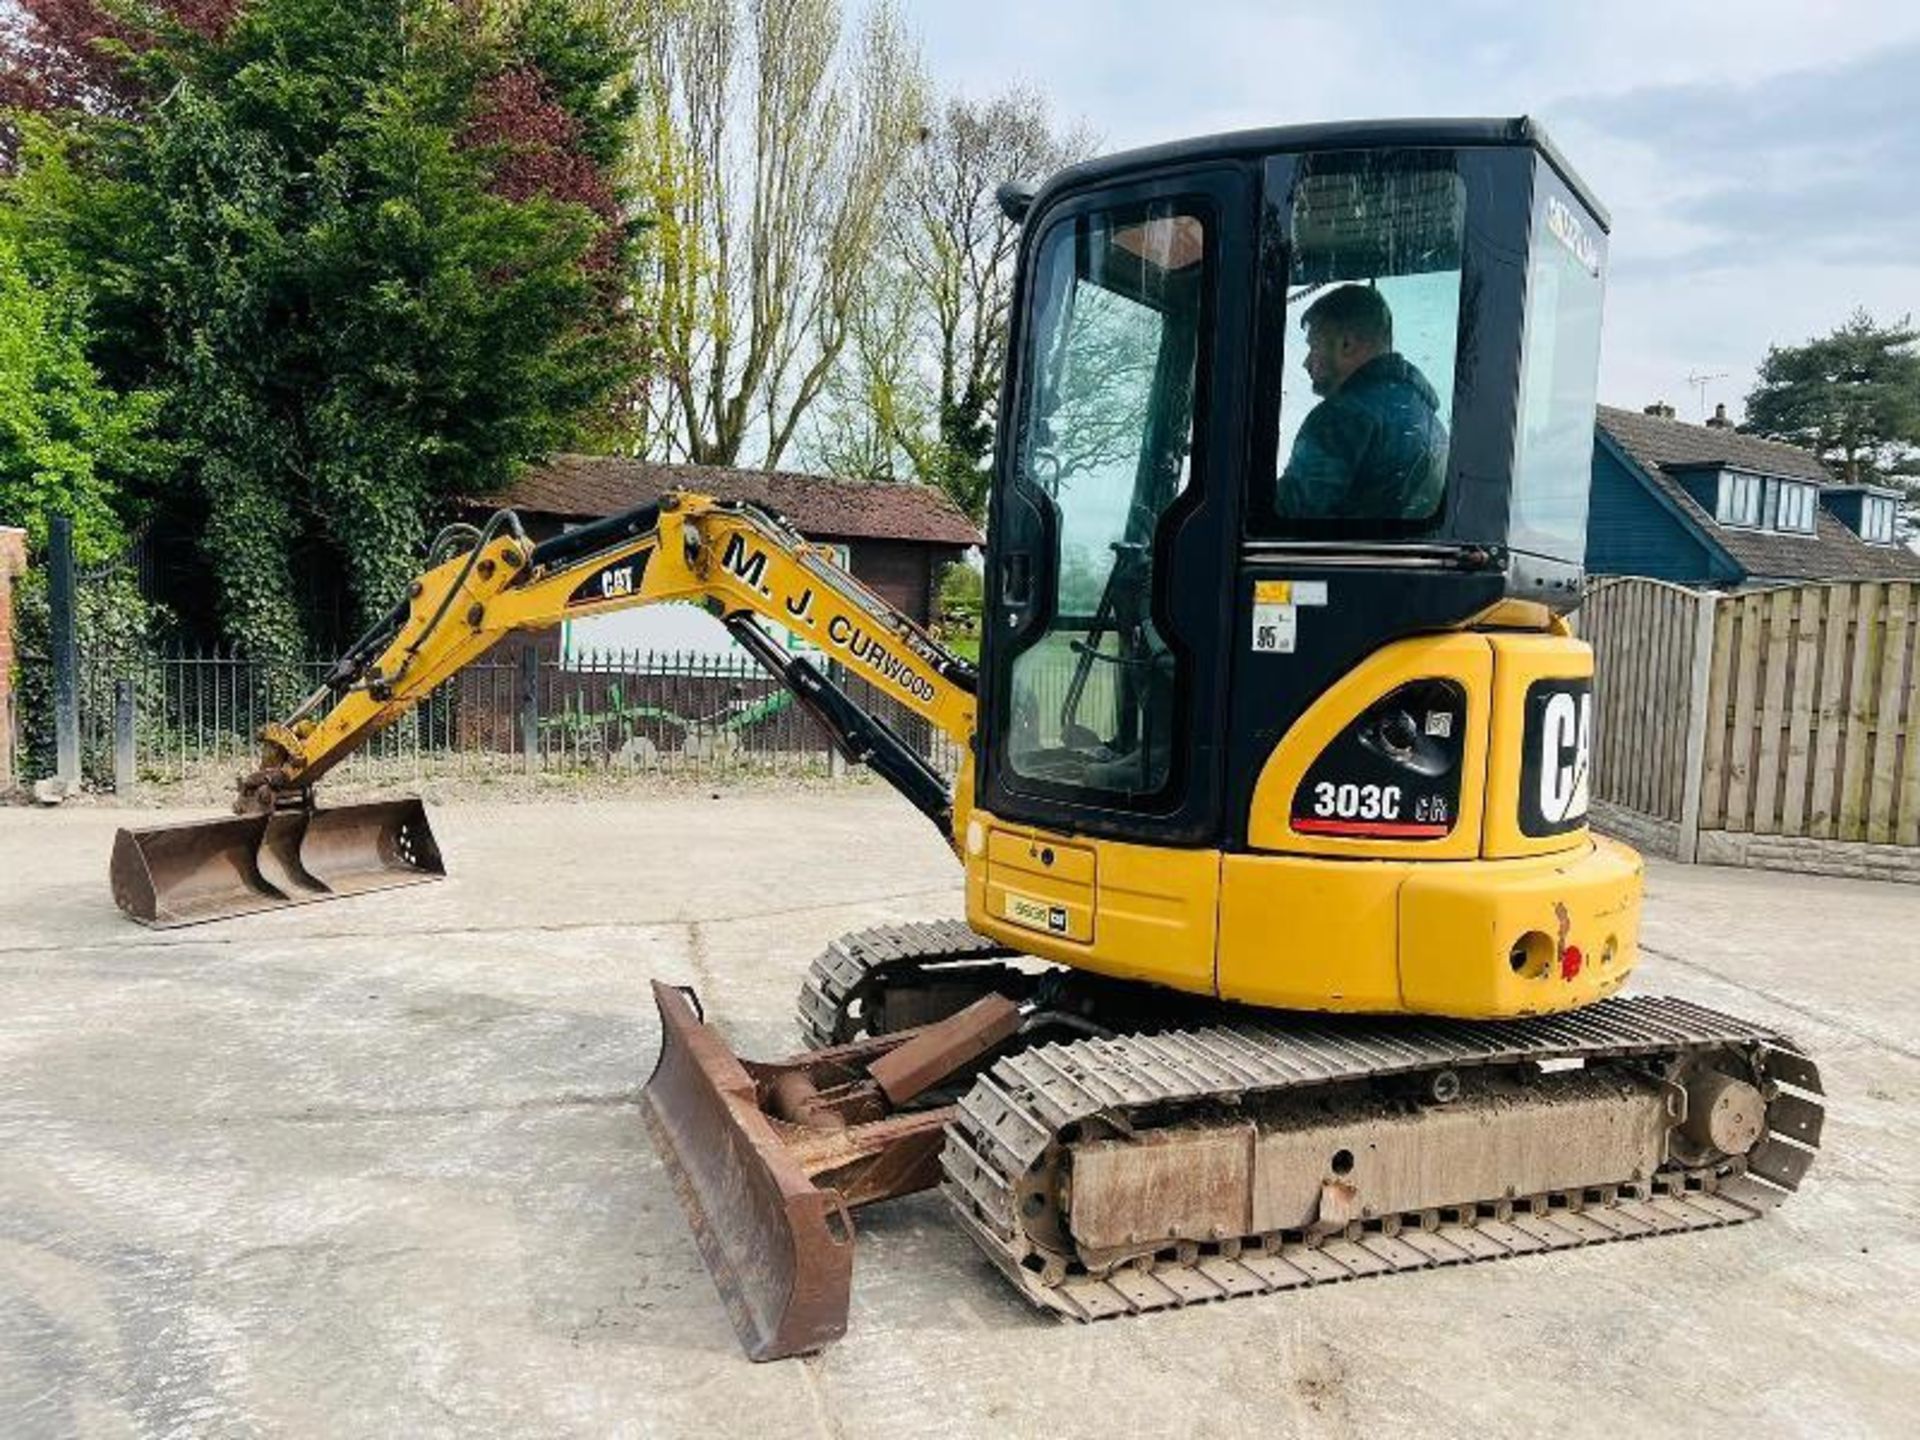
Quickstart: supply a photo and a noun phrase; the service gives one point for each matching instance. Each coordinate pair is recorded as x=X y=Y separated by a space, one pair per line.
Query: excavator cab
x=1291 y=492
x=1170 y=458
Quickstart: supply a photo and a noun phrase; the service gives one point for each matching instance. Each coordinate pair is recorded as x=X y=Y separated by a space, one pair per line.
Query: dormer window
x=1765 y=502
x=1790 y=506
x=1740 y=500
x=1876 y=519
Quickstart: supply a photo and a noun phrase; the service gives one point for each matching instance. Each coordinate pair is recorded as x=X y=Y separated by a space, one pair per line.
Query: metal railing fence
x=191 y=717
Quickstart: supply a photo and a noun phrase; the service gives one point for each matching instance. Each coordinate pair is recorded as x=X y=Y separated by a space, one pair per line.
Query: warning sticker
x=1276 y=612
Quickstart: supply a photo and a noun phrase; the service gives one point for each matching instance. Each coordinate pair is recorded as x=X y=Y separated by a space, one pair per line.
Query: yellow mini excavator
x=1289 y=956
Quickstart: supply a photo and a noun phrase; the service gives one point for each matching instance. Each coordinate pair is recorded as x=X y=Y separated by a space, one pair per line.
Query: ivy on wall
x=364 y=257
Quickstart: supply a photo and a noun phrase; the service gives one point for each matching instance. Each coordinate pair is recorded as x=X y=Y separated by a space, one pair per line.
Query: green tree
x=920 y=396
x=1851 y=397
x=376 y=254
x=68 y=444
x=772 y=143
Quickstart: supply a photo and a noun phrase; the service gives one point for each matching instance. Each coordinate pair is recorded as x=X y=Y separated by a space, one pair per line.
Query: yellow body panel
x=1465 y=658
x=1136 y=912
x=1468 y=938
x=1302 y=933
x=1520 y=937
x=1429 y=939
x=1041 y=884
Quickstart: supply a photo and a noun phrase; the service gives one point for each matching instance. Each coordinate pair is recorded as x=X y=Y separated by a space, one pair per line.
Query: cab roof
x=1438 y=134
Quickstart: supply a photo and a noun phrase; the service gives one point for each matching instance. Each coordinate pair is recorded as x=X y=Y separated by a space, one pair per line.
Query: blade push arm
x=741 y=562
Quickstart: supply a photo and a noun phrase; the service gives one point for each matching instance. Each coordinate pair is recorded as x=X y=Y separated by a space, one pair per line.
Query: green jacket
x=1375 y=449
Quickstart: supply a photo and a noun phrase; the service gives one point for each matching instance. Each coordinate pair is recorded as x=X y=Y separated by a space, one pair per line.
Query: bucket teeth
x=167 y=875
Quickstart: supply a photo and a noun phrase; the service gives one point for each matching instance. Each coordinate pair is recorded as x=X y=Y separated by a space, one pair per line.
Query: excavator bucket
x=779 y=1249
x=167 y=875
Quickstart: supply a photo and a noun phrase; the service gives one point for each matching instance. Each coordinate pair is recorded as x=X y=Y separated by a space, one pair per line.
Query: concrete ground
x=375 y=1168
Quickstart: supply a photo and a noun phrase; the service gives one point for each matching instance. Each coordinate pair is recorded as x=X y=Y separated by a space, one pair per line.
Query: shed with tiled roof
x=898 y=537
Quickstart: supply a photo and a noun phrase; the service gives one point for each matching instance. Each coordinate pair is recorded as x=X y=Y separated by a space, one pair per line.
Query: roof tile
x=586 y=487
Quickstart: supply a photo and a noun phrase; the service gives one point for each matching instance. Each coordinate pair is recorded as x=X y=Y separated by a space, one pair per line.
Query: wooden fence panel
x=1768 y=747
x=1907 y=820
x=1801 y=702
x=1746 y=659
x=1713 y=791
x=1857 y=715
x=1830 y=720
x=1811 y=720
x=1883 y=783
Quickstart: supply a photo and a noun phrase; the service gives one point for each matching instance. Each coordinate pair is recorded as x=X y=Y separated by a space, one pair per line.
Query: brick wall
x=1817 y=857
x=13 y=561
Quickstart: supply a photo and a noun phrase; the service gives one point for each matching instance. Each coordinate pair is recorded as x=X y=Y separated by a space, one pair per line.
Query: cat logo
x=1037 y=914
x=1558 y=756
x=616 y=580
x=1568 y=737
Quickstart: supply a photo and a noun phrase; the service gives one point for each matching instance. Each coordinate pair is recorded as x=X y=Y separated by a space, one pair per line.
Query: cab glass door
x=1103 y=453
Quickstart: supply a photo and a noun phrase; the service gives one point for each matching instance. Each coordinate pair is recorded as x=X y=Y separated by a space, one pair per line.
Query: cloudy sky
x=1761 y=160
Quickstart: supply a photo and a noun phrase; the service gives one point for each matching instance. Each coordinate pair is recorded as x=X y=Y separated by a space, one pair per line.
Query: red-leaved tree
x=72 y=54
x=536 y=155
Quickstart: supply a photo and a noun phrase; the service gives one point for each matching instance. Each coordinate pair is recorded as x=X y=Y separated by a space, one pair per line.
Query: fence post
x=66 y=654
x=1706 y=607
x=836 y=762
x=13 y=561
x=530 y=705
x=123 y=778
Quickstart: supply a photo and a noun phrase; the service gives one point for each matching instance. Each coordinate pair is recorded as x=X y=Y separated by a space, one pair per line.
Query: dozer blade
x=167 y=875
x=779 y=1249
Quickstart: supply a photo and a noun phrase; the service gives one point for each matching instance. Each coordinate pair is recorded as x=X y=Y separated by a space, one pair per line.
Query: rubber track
x=846 y=964
x=1020 y=1108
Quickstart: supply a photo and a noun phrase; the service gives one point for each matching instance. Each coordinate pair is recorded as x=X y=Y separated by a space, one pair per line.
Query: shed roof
x=586 y=487
x=1833 y=552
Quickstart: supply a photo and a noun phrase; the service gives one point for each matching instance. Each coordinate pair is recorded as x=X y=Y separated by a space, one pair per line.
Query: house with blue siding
x=1705 y=505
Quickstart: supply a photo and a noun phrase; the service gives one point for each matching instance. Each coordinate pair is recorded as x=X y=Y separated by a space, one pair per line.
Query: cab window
x=1371 y=328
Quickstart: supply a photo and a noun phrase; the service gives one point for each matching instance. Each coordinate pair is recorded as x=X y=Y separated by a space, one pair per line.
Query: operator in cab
x=1374 y=448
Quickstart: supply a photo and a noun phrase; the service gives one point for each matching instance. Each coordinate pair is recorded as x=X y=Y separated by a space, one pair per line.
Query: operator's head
x=1346 y=327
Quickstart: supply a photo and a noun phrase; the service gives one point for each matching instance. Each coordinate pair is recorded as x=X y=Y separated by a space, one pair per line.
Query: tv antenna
x=1699 y=380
